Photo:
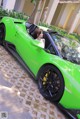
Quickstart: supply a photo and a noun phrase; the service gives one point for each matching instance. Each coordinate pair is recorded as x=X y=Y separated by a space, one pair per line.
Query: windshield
x=68 y=48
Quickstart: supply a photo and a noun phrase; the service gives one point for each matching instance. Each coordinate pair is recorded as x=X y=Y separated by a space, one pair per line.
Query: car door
x=28 y=51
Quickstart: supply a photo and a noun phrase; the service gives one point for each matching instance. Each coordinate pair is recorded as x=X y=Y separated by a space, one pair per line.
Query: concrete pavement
x=19 y=95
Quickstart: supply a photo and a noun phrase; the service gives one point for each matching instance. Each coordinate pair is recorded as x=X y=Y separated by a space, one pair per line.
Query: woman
x=39 y=36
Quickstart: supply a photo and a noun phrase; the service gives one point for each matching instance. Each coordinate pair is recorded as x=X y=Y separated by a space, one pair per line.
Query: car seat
x=31 y=28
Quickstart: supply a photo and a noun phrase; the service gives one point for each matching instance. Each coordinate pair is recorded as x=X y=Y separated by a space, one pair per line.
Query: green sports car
x=56 y=67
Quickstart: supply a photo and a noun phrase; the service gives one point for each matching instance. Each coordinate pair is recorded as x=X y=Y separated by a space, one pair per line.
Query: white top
x=42 y=43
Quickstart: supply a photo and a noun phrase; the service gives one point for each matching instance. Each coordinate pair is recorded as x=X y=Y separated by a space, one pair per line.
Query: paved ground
x=19 y=94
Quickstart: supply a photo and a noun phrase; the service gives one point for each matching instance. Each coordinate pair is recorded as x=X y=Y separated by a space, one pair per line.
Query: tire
x=2 y=33
x=50 y=83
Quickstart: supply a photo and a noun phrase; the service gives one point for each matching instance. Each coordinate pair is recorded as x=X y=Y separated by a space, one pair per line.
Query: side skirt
x=10 y=47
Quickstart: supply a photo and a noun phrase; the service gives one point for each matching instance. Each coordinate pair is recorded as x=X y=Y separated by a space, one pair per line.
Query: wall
x=77 y=29
x=19 y=5
x=46 y=5
x=0 y=2
x=65 y=15
x=74 y=12
x=56 y=14
x=28 y=7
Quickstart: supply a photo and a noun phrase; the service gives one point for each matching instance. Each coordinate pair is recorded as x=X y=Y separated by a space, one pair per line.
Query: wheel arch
x=9 y=27
x=51 y=65
x=2 y=23
x=2 y=33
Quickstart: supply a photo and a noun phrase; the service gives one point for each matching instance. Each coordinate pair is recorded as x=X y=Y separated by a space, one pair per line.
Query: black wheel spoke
x=51 y=83
x=45 y=89
x=50 y=93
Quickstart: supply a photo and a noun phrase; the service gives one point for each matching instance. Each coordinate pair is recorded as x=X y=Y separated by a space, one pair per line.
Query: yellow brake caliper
x=45 y=78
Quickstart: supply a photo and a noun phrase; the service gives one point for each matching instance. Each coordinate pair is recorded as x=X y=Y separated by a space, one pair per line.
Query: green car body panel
x=26 y=47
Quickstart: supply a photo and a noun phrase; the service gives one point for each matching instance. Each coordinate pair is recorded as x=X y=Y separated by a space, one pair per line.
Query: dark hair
x=37 y=32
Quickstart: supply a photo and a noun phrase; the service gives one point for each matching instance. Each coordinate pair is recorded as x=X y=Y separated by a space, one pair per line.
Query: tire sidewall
x=60 y=93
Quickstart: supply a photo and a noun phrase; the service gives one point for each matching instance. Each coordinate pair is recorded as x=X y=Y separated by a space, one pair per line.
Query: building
x=62 y=13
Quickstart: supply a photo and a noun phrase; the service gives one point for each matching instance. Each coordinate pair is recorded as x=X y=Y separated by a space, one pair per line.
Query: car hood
x=71 y=75
x=66 y=67
x=72 y=69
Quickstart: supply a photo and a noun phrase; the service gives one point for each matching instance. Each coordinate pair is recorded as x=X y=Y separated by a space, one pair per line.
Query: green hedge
x=13 y=14
x=62 y=32
x=19 y=15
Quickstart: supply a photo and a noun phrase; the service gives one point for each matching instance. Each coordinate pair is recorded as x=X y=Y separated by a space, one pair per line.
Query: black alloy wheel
x=51 y=83
x=2 y=33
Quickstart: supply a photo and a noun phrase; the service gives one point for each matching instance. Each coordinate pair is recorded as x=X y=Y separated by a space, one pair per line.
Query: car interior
x=31 y=29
